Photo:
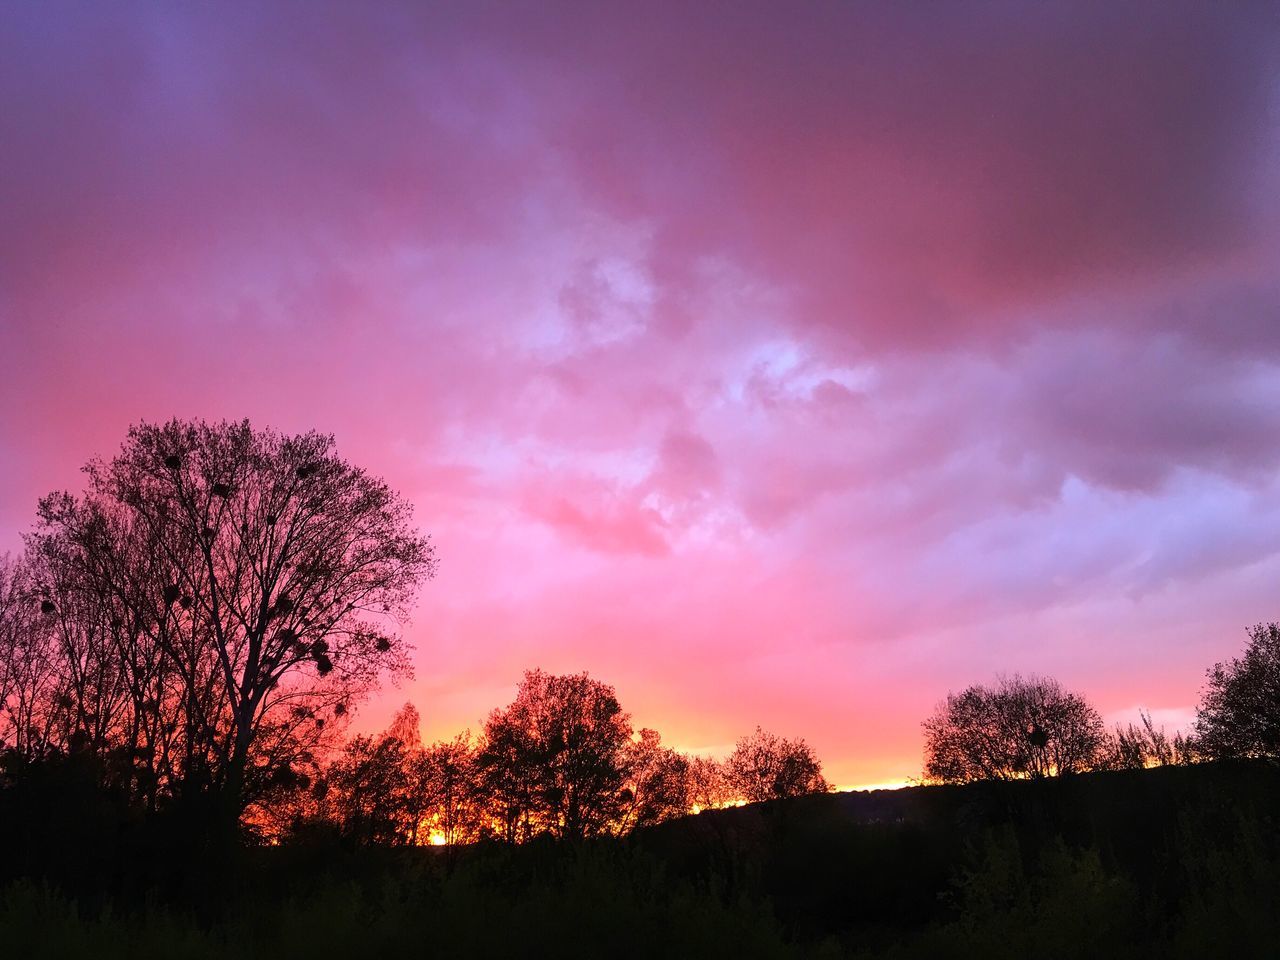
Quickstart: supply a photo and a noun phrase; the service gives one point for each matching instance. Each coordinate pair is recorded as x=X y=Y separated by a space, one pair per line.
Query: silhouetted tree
x=287 y=770
x=368 y=790
x=555 y=759
x=657 y=783
x=1018 y=728
x=709 y=786
x=765 y=767
x=37 y=709
x=1239 y=712
x=213 y=582
x=446 y=799
x=406 y=726
x=374 y=790
x=507 y=779
x=406 y=729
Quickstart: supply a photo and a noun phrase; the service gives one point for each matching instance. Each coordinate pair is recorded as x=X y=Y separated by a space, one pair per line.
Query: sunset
x=781 y=373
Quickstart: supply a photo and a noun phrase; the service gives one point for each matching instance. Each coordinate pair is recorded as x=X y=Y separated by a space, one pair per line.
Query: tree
x=236 y=581
x=406 y=726
x=445 y=797
x=765 y=767
x=1018 y=728
x=507 y=778
x=1239 y=712
x=368 y=791
x=657 y=785
x=555 y=759
x=709 y=787
x=287 y=772
x=33 y=703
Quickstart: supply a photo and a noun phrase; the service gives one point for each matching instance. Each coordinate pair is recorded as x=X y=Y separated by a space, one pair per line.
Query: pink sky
x=779 y=364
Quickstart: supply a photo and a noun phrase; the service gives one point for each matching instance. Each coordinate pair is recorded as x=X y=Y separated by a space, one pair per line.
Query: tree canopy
x=1018 y=728
x=1239 y=713
x=215 y=596
x=557 y=755
x=766 y=767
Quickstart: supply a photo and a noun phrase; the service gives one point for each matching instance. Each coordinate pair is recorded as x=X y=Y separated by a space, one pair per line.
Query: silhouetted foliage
x=449 y=806
x=657 y=783
x=1135 y=747
x=1239 y=712
x=765 y=767
x=367 y=791
x=191 y=634
x=561 y=760
x=1018 y=728
x=709 y=786
x=555 y=759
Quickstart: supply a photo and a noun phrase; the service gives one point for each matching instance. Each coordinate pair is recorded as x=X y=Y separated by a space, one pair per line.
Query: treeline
x=1030 y=728
x=562 y=760
x=203 y=620
x=198 y=627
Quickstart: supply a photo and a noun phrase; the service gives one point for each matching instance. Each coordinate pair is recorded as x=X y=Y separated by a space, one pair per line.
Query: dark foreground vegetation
x=1180 y=861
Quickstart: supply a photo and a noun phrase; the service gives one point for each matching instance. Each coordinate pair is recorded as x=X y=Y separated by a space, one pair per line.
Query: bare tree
x=765 y=767
x=233 y=576
x=33 y=694
x=93 y=683
x=1239 y=712
x=1018 y=728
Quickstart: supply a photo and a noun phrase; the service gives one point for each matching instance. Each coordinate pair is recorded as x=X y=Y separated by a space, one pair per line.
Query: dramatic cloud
x=780 y=365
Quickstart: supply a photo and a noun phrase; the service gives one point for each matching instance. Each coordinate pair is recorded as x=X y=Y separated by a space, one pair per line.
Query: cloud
x=599 y=518
x=779 y=368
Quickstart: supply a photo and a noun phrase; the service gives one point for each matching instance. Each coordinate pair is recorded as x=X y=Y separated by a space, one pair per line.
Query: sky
x=779 y=364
